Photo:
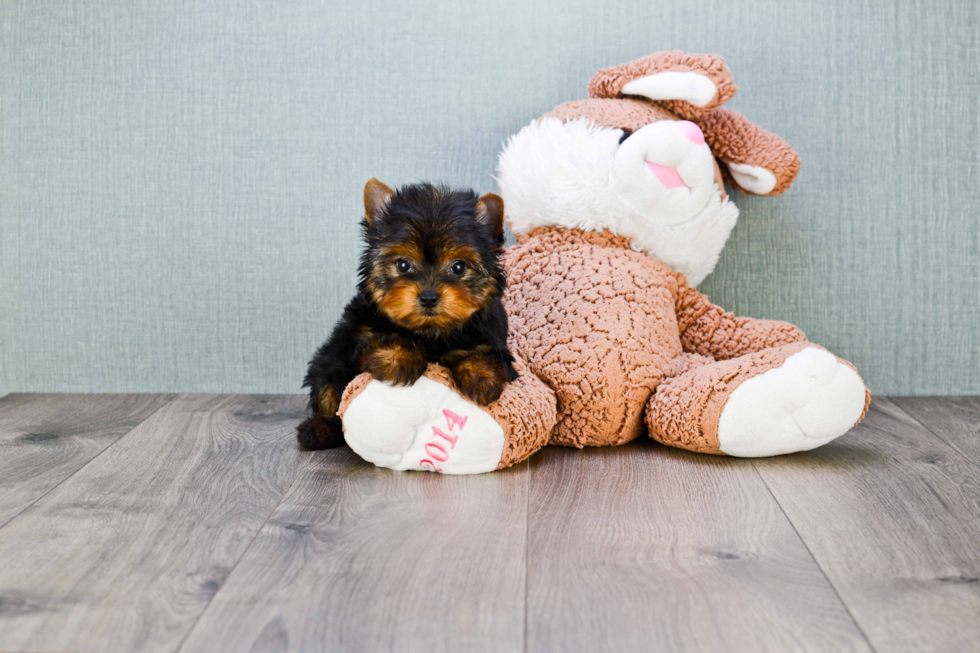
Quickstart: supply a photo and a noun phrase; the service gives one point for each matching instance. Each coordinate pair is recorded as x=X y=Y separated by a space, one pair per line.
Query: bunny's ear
x=753 y=160
x=689 y=85
x=377 y=197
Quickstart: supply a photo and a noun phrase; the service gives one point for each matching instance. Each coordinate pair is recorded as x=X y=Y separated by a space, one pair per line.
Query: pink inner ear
x=667 y=176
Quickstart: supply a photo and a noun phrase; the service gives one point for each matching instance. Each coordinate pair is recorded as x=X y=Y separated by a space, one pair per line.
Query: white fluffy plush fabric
x=575 y=175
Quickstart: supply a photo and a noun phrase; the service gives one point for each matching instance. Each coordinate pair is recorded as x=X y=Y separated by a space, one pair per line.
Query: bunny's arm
x=709 y=330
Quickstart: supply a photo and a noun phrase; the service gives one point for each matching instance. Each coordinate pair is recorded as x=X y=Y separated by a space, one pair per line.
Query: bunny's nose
x=692 y=131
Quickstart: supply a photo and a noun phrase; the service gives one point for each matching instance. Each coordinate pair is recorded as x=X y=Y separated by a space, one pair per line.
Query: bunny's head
x=645 y=157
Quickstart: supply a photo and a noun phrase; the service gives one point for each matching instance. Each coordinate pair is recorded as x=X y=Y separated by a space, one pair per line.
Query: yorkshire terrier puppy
x=429 y=291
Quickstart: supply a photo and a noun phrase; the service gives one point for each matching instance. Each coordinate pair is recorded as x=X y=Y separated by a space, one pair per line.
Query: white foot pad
x=425 y=426
x=808 y=401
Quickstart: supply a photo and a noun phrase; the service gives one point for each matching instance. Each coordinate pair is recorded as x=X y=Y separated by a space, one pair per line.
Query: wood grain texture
x=892 y=515
x=358 y=558
x=125 y=554
x=171 y=538
x=645 y=548
x=44 y=439
x=954 y=419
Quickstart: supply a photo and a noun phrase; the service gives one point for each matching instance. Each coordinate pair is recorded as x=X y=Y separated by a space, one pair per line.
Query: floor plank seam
x=89 y=462
x=925 y=427
x=200 y=616
x=840 y=598
x=527 y=544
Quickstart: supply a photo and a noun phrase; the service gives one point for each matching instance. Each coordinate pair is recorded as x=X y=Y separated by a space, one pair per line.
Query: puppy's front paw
x=395 y=364
x=480 y=380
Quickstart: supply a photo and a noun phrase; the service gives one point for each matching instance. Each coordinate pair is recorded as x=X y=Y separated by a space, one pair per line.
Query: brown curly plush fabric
x=609 y=82
x=734 y=139
x=710 y=331
x=353 y=389
x=613 y=114
x=625 y=319
x=527 y=412
x=617 y=333
x=685 y=410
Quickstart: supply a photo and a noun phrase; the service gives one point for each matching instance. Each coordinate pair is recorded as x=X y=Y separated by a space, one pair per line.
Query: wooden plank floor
x=192 y=523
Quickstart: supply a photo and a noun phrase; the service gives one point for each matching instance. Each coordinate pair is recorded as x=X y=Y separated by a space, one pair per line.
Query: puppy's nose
x=692 y=131
x=428 y=298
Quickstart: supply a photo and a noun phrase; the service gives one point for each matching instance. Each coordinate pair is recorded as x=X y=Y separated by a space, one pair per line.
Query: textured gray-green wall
x=180 y=181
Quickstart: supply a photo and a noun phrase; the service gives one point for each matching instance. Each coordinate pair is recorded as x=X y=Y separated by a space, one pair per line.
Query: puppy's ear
x=377 y=197
x=490 y=211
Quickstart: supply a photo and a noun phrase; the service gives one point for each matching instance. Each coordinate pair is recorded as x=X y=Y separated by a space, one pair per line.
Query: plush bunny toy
x=619 y=209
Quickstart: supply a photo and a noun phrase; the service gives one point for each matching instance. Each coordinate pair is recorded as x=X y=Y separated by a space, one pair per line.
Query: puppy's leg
x=328 y=375
x=394 y=360
x=324 y=429
x=331 y=369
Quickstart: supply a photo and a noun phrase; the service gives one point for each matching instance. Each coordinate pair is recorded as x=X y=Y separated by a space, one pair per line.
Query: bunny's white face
x=665 y=171
x=656 y=186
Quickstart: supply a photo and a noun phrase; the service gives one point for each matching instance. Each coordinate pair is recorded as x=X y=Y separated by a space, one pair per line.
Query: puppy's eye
x=626 y=134
x=403 y=266
x=458 y=268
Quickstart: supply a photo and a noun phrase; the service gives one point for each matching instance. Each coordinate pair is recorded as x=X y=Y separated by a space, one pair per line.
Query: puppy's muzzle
x=428 y=299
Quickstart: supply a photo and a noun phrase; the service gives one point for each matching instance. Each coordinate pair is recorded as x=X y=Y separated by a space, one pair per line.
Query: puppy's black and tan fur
x=430 y=290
